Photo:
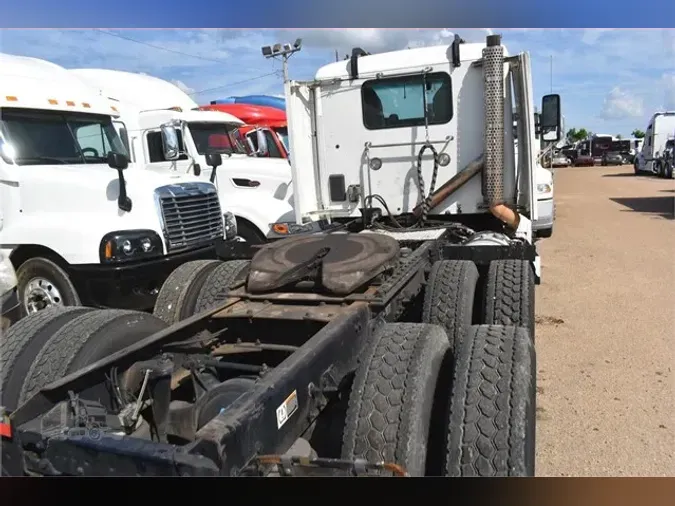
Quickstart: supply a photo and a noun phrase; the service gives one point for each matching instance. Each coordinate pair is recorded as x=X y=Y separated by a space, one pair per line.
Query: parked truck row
x=391 y=330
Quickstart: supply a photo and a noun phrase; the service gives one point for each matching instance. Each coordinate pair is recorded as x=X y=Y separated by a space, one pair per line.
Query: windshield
x=52 y=137
x=283 y=135
x=216 y=138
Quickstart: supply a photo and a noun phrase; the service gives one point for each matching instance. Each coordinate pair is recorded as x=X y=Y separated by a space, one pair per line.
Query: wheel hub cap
x=41 y=293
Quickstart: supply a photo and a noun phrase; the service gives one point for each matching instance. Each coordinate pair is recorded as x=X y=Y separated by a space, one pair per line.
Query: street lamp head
x=276 y=48
x=297 y=44
x=266 y=51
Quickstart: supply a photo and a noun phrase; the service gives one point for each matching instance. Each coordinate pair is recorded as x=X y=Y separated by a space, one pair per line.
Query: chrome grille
x=191 y=215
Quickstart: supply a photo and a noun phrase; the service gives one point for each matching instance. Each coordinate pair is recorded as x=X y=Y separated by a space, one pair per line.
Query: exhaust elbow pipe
x=493 y=172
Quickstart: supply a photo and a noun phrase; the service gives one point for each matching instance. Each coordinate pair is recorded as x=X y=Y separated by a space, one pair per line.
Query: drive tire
x=177 y=297
x=389 y=412
x=18 y=349
x=449 y=297
x=84 y=340
x=218 y=283
x=509 y=295
x=56 y=277
x=21 y=345
x=492 y=418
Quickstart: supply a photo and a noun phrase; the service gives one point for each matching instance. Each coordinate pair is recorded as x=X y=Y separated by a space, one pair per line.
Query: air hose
x=426 y=204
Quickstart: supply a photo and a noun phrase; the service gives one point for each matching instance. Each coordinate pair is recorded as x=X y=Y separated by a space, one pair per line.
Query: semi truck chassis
x=305 y=359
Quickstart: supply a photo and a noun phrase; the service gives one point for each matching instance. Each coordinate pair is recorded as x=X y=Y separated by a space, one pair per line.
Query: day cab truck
x=256 y=190
x=75 y=224
x=398 y=341
x=270 y=120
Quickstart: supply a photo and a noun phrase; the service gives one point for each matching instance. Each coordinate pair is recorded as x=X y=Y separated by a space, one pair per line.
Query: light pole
x=283 y=51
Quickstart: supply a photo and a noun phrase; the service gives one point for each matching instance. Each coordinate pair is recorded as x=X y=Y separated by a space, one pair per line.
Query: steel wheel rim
x=39 y=294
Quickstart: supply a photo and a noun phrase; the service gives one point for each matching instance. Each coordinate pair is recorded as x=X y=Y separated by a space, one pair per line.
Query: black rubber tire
x=22 y=343
x=49 y=270
x=545 y=233
x=668 y=171
x=509 y=294
x=390 y=406
x=84 y=340
x=218 y=283
x=492 y=417
x=449 y=297
x=177 y=298
x=249 y=233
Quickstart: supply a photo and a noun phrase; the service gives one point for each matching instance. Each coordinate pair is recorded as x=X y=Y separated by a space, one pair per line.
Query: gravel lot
x=606 y=327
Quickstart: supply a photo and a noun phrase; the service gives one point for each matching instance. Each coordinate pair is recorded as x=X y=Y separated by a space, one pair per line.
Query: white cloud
x=668 y=81
x=620 y=105
x=591 y=36
x=182 y=86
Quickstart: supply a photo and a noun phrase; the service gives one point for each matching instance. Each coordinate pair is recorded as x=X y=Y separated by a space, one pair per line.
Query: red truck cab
x=269 y=119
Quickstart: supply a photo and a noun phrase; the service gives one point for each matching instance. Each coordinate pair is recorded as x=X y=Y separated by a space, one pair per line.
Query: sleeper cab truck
x=78 y=228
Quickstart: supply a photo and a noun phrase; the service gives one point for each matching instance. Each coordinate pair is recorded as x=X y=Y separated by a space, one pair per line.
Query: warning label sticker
x=287 y=408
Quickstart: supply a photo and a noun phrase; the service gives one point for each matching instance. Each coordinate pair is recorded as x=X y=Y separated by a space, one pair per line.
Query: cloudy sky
x=611 y=80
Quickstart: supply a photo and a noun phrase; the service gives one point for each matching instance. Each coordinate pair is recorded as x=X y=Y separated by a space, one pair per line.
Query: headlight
x=229 y=225
x=284 y=228
x=129 y=245
x=7 y=275
x=544 y=188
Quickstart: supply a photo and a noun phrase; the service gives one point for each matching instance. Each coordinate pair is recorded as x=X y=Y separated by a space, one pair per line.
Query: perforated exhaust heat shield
x=493 y=78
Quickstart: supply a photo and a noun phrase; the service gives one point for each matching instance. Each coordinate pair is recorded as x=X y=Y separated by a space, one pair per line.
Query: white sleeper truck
x=659 y=131
x=77 y=226
x=256 y=190
x=398 y=341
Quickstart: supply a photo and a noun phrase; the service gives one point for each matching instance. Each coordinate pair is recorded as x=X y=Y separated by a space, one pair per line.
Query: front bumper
x=134 y=285
x=10 y=307
x=545 y=213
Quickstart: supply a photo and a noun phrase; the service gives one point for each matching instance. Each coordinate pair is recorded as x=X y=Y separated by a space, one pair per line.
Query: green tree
x=574 y=134
x=619 y=136
x=638 y=134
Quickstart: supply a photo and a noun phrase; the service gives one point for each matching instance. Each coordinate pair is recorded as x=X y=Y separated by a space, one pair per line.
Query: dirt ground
x=606 y=327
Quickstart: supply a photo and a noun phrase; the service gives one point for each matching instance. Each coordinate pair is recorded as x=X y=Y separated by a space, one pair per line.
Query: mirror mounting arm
x=123 y=201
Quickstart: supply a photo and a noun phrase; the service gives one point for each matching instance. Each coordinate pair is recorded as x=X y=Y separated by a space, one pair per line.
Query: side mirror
x=213 y=160
x=551 y=120
x=262 y=143
x=170 y=142
x=120 y=162
x=117 y=161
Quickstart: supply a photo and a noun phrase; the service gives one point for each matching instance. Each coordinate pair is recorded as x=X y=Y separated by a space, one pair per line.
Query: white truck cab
x=77 y=226
x=405 y=134
x=659 y=130
x=256 y=190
